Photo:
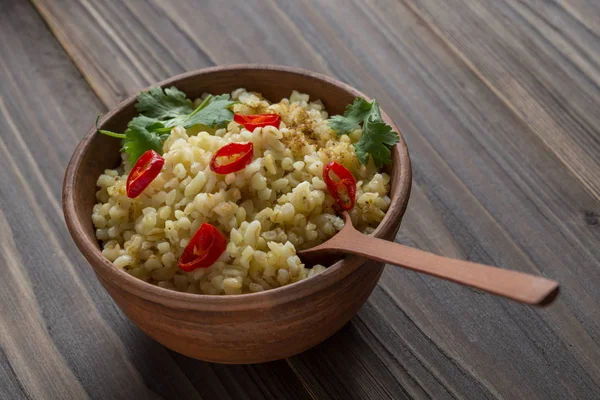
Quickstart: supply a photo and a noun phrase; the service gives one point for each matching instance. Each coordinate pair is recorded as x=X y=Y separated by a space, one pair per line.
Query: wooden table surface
x=499 y=102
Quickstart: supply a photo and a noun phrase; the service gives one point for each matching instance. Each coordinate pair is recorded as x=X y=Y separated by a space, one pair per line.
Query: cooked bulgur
x=276 y=205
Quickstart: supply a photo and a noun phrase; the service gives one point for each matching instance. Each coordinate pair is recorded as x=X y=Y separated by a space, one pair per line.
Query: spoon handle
x=514 y=285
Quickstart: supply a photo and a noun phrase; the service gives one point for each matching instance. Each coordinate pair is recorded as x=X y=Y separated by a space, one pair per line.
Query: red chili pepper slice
x=251 y=122
x=344 y=187
x=145 y=169
x=204 y=249
x=238 y=155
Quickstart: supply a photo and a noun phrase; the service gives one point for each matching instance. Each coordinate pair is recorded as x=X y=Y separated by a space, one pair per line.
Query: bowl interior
x=98 y=152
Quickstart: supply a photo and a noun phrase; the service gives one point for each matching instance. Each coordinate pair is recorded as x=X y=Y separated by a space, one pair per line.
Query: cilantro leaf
x=215 y=114
x=162 y=110
x=377 y=137
x=143 y=134
x=376 y=140
x=163 y=104
x=355 y=114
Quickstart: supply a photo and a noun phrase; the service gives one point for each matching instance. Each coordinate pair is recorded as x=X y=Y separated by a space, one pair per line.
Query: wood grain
x=497 y=101
x=60 y=334
x=152 y=41
x=543 y=73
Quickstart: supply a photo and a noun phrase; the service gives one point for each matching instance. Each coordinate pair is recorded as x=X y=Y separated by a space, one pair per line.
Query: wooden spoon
x=525 y=288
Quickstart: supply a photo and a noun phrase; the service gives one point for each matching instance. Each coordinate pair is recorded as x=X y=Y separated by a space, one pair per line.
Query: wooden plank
x=487 y=188
x=48 y=310
x=586 y=11
x=542 y=72
x=138 y=43
x=60 y=334
x=11 y=388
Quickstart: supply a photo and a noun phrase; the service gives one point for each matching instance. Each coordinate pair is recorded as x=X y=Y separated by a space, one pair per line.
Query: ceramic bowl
x=247 y=328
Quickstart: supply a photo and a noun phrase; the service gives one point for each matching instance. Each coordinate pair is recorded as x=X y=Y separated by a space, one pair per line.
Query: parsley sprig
x=377 y=137
x=160 y=111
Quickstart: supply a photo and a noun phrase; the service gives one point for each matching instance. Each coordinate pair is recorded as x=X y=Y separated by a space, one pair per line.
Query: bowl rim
x=203 y=302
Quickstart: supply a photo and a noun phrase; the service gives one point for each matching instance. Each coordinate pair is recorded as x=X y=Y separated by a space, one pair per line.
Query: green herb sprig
x=160 y=111
x=377 y=137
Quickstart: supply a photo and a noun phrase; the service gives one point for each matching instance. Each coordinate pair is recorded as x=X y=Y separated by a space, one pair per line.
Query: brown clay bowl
x=248 y=328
